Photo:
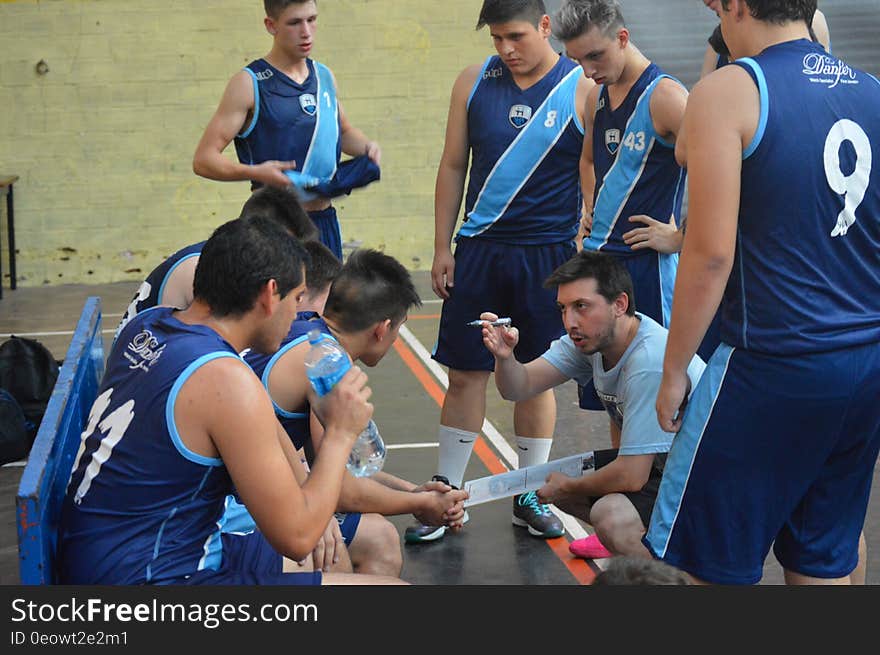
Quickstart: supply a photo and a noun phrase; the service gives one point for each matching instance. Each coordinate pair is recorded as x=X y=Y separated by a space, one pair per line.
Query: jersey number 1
x=853 y=186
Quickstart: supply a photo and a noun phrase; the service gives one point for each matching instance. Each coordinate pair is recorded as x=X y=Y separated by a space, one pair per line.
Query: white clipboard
x=530 y=478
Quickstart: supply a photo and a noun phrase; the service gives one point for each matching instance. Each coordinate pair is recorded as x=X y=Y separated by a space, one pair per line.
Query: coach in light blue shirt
x=622 y=352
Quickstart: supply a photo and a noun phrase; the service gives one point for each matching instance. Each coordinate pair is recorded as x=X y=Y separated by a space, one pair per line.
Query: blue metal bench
x=44 y=481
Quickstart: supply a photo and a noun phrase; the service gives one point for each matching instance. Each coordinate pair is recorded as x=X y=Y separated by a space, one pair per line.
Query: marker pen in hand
x=497 y=322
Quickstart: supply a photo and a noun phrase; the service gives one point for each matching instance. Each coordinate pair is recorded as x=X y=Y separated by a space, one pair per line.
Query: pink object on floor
x=589 y=548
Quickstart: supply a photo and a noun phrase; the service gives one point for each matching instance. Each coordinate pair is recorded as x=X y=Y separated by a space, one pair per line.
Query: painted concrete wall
x=103 y=141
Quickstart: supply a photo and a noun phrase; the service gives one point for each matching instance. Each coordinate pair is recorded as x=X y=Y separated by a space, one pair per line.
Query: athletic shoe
x=589 y=548
x=529 y=513
x=417 y=534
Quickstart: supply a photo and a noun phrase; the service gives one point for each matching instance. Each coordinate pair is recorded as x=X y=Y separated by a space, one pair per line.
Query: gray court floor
x=405 y=392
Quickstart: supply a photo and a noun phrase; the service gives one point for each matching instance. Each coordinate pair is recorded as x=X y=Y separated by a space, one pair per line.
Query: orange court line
x=579 y=568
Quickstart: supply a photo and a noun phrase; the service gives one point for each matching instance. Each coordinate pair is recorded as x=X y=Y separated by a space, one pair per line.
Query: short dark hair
x=322 y=269
x=240 y=257
x=780 y=12
x=504 y=11
x=275 y=7
x=640 y=571
x=612 y=278
x=577 y=17
x=283 y=207
x=371 y=287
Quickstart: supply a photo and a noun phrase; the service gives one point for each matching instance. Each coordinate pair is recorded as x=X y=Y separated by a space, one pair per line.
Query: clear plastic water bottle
x=326 y=362
x=368 y=453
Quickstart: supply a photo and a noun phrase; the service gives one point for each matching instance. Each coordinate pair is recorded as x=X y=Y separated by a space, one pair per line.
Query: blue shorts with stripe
x=653 y=278
x=250 y=560
x=773 y=450
x=328 y=229
x=507 y=280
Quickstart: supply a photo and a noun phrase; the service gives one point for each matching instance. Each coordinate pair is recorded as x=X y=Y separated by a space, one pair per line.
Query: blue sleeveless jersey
x=806 y=277
x=296 y=424
x=236 y=518
x=140 y=507
x=524 y=185
x=149 y=294
x=292 y=121
x=636 y=171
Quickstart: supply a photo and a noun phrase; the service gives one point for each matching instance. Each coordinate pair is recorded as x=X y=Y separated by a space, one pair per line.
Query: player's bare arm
x=449 y=188
x=587 y=172
x=720 y=121
x=232 y=115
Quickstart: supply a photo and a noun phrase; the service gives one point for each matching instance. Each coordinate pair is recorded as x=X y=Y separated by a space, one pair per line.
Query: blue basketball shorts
x=507 y=280
x=250 y=560
x=773 y=450
x=328 y=229
x=653 y=277
x=348 y=525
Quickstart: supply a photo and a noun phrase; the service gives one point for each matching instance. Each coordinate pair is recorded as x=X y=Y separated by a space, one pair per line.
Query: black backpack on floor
x=28 y=372
x=14 y=441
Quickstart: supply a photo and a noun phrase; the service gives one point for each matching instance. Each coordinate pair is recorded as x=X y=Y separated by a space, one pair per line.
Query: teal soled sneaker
x=417 y=534
x=529 y=513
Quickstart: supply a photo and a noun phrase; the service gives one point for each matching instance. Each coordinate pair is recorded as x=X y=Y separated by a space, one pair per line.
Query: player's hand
x=443 y=273
x=587 y=223
x=662 y=237
x=272 y=173
x=328 y=548
x=555 y=489
x=442 y=507
x=373 y=151
x=672 y=398
x=499 y=340
x=345 y=409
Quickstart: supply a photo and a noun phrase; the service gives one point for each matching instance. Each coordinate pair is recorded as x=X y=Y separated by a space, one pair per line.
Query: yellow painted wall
x=103 y=142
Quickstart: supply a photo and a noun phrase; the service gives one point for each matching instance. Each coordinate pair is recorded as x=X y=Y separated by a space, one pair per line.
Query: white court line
x=507 y=453
x=404 y=446
x=61 y=333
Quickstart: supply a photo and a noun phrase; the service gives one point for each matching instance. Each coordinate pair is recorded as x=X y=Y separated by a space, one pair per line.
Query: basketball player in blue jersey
x=632 y=121
x=366 y=306
x=171 y=282
x=717 y=55
x=518 y=119
x=180 y=419
x=283 y=114
x=779 y=440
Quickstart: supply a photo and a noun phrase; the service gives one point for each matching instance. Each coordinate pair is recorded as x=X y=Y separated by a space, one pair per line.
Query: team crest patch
x=612 y=140
x=308 y=103
x=519 y=115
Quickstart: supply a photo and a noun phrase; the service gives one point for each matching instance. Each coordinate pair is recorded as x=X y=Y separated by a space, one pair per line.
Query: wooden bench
x=44 y=480
x=6 y=184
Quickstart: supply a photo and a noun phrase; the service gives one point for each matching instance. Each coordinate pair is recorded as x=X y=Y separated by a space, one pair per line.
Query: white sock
x=455 y=451
x=532 y=451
